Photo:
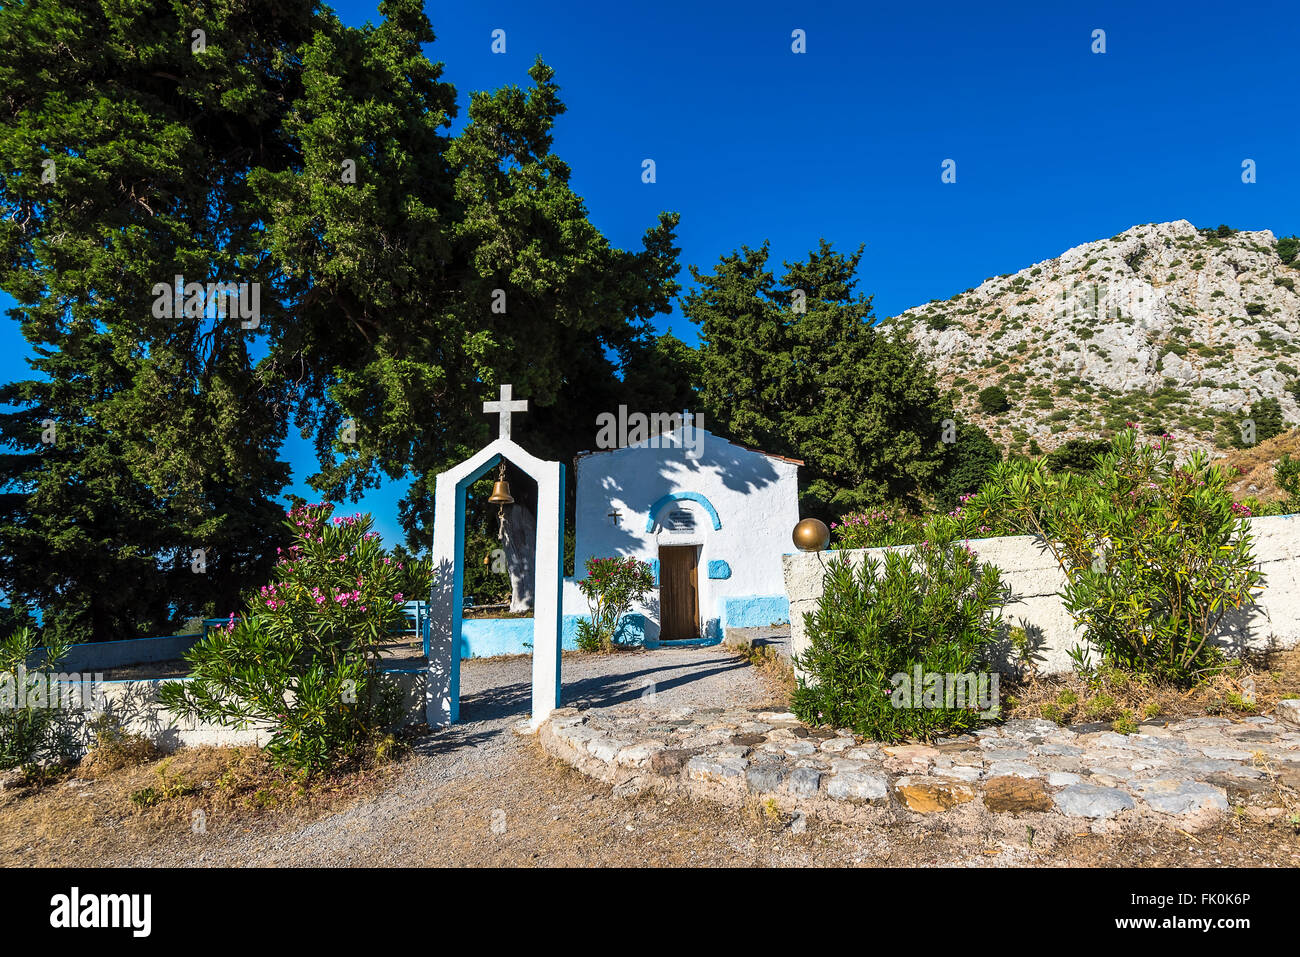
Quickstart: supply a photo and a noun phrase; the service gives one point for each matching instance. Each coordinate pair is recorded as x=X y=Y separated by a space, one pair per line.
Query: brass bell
x=501 y=493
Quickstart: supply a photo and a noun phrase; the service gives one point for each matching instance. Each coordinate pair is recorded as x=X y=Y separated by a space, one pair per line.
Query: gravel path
x=480 y=777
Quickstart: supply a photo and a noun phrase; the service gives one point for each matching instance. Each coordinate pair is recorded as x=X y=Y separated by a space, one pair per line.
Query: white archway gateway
x=442 y=691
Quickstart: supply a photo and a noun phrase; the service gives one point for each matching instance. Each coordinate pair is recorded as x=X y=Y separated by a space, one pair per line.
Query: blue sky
x=1054 y=145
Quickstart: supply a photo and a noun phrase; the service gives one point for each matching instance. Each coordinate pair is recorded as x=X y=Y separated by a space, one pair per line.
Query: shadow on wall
x=133 y=707
x=437 y=635
x=754 y=471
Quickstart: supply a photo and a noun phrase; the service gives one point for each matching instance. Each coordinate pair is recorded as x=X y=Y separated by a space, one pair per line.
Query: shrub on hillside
x=934 y=607
x=1077 y=455
x=968 y=463
x=1266 y=414
x=303 y=659
x=993 y=400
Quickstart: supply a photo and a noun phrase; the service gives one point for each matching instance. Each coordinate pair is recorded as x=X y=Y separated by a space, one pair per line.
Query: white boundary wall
x=134 y=707
x=1035 y=580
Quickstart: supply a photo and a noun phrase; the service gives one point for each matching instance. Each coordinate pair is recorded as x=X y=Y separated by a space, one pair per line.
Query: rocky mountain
x=1174 y=328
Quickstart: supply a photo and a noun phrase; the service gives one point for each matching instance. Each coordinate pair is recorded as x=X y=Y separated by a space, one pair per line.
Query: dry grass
x=775 y=668
x=115 y=809
x=1285 y=784
x=115 y=749
x=1123 y=700
x=1255 y=466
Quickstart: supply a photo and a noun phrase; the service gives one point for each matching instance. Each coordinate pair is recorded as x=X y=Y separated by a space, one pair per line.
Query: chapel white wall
x=755 y=495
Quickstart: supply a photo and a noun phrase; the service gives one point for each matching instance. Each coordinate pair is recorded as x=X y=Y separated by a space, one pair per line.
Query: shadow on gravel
x=456 y=739
x=604 y=691
x=599 y=691
x=497 y=703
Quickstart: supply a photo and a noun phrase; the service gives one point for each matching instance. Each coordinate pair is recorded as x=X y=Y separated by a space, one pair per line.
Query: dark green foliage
x=397 y=301
x=934 y=606
x=1287 y=247
x=165 y=436
x=488 y=271
x=969 y=461
x=1077 y=455
x=1133 y=259
x=36 y=732
x=859 y=407
x=15 y=616
x=1222 y=231
x=993 y=400
x=1267 y=416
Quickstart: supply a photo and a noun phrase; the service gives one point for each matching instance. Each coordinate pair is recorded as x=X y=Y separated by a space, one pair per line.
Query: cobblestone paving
x=1187 y=773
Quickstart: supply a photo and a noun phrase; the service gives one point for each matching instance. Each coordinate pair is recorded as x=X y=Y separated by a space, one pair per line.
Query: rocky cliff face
x=1177 y=329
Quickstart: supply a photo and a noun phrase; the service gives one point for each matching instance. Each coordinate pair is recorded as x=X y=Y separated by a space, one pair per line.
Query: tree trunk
x=518 y=534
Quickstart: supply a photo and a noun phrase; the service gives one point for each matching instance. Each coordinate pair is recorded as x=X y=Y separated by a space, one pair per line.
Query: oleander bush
x=934 y=607
x=611 y=587
x=1157 y=555
x=877 y=528
x=38 y=723
x=304 y=658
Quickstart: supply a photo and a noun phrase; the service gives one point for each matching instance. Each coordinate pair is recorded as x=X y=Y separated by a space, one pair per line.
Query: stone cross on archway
x=442 y=690
x=504 y=407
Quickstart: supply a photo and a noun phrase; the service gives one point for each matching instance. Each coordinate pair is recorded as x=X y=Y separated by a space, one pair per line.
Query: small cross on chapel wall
x=504 y=407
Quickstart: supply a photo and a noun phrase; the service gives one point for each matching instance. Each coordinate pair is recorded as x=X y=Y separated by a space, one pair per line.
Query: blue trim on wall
x=683 y=497
x=719 y=569
x=654 y=570
x=755 y=611
x=488 y=637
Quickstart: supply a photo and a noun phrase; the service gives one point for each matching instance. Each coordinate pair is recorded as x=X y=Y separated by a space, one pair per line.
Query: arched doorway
x=442 y=689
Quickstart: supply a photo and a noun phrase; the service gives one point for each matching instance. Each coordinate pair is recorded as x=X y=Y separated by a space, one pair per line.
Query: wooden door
x=679 y=604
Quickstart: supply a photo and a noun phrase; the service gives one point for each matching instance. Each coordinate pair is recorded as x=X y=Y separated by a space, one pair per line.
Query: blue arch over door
x=683 y=497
